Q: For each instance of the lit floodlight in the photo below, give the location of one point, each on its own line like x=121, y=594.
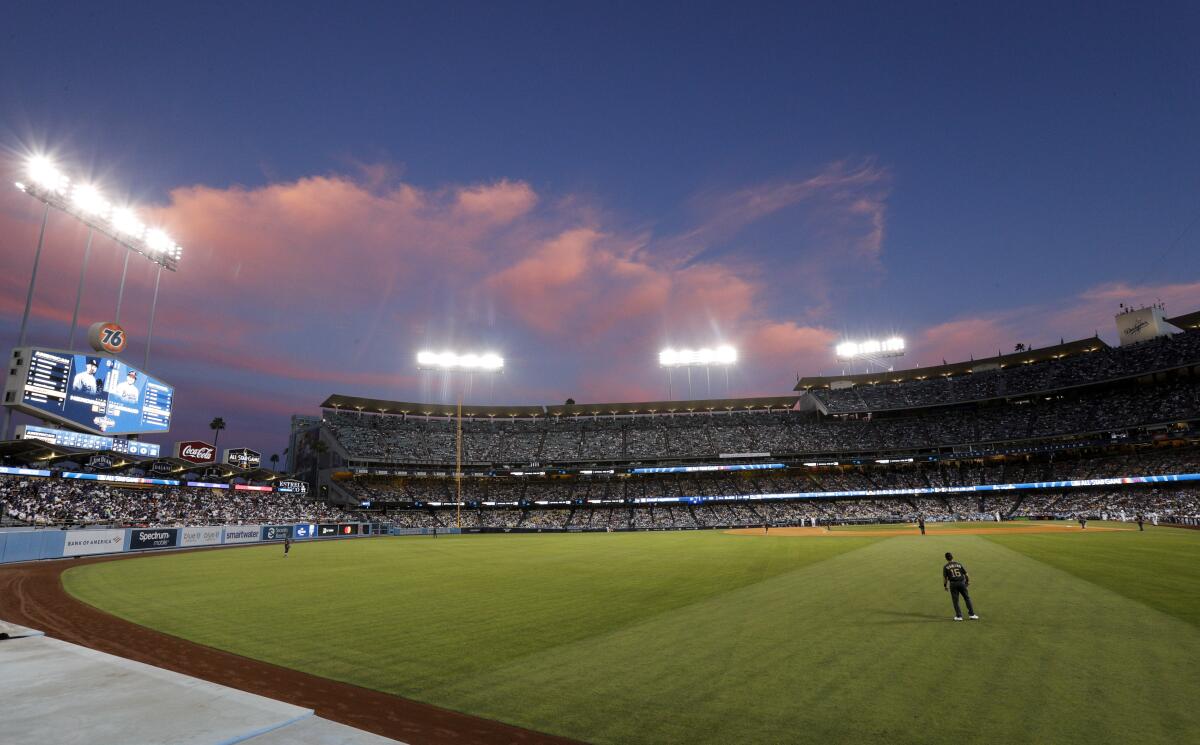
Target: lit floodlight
x=89, y=200
x=470, y=362
x=51, y=186
x=45, y=174
x=891, y=347
x=703, y=357
x=125, y=221
x=157, y=240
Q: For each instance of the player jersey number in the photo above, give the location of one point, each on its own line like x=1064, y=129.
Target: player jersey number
x=955, y=572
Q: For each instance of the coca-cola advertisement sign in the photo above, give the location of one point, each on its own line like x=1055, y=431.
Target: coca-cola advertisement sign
x=196, y=451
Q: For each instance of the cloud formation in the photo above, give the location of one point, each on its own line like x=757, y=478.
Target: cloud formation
x=292, y=291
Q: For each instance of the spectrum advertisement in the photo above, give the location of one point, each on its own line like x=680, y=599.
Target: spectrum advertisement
x=99, y=394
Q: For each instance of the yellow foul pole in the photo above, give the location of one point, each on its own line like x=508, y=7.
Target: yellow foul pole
x=458, y=466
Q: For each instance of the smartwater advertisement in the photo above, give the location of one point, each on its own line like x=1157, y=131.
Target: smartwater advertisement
x=143, y=538
x=243, y=533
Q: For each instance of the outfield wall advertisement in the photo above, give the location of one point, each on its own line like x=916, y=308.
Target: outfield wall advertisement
x=206, y=536
x=243, y=534
x=144, y=538
x=33, y=544
x=88, y=542
x=276, y=532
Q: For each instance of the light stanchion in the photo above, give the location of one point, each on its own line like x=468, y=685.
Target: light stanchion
x=451, y=362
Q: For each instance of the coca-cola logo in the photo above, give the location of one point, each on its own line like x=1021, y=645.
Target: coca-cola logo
x=197, y=452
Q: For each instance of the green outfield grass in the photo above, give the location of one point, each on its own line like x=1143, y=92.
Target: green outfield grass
x=715, y=638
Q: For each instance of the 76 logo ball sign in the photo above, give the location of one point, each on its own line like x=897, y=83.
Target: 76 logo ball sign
x=106, y=336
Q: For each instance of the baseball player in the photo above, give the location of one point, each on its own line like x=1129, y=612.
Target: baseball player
x=287, y=546
x=955, y=579
x=127, y=390
x=86, y=379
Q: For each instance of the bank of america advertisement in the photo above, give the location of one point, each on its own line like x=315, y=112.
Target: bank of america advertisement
x=87, y=542
x=100, y=394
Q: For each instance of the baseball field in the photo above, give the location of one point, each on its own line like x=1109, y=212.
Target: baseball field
x=712, y=637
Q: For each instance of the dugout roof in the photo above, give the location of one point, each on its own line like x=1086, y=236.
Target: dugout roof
x=1028, y=357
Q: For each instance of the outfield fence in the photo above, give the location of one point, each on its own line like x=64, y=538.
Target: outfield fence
x=34, y=544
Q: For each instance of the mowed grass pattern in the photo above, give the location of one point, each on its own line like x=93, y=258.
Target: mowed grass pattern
x=706, y=637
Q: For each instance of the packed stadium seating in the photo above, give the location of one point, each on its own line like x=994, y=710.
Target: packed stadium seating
x=41, y=501
x=588, y=503
x=1164, y=353
x=1072, y=401
x=388, y=438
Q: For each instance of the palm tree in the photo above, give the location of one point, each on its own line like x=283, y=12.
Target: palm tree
x=275, y=462
x=216, y=425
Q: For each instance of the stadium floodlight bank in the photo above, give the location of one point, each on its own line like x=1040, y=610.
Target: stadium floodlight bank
x=851, y=350
x=703, y=357
x=86, y=203
x=451, y=361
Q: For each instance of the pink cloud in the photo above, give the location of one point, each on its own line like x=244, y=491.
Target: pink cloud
x=1077, y=316
x=294, y=290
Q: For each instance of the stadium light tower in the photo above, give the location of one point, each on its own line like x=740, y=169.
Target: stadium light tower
x=706, y=357
x=48, y=184
x=873, y=351
x=470, y=364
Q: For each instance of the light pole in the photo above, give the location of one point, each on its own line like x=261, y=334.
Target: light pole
x=470, y=363
x=53, y=188
x=84, y=202
x=87, y=252
x=723, y=356
x=873, y=351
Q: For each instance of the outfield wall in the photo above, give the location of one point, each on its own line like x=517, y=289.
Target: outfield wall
x=33, y=544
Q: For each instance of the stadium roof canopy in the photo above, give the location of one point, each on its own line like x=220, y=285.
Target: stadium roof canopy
x=38, y=454
x=381, y=406
x=1186, y=321
x=1027, y=357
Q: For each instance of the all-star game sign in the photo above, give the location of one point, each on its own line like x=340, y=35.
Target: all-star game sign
x=106, y=336
x=243, y=458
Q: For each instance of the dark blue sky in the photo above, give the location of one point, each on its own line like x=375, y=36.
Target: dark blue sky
x=1013, y=168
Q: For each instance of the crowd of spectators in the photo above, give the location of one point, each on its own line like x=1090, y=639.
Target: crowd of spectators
x=398, y=439
x=1105, y=363
x=1111, y=504
x=613, y=502
x=42, y=501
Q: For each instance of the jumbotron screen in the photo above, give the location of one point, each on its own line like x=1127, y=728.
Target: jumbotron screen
x=96, y=393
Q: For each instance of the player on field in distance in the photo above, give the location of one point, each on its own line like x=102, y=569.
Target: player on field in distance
x=287, y=546
x=921, y=523
x=1141, y=521
x=956, y=580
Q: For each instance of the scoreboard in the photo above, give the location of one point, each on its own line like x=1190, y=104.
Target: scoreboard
x=92, y=392
x=83, y=441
